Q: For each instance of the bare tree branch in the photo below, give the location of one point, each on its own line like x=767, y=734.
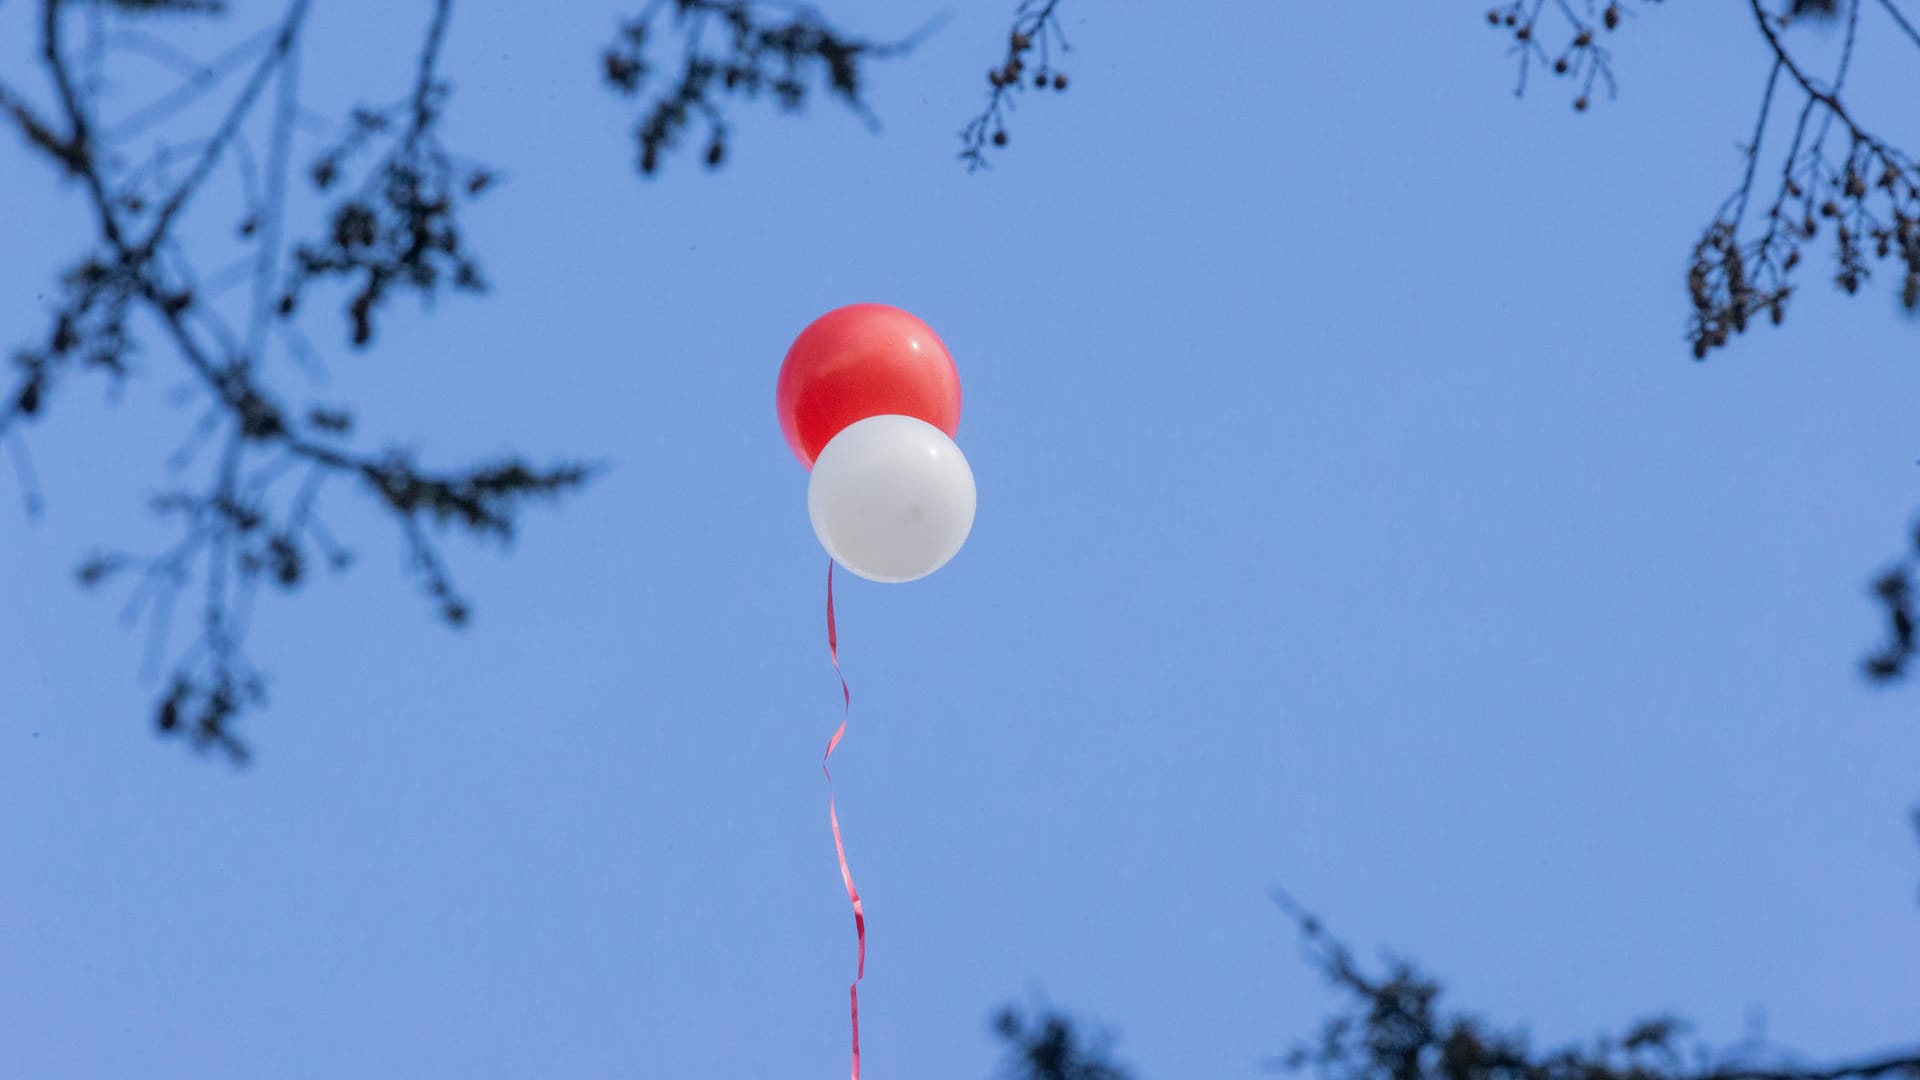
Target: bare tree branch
x=200, y=80
x=1582, y=58
x=229, y=128
x=35, y=129
x=243, y=527
x=1868, y=190
x=1900, y=20
x=1394, y=1029
x=1864, y=192
x=785, y=50
x=399, y=230
x=1036, y=28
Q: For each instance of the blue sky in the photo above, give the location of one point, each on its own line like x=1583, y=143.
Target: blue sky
x=1351, y=520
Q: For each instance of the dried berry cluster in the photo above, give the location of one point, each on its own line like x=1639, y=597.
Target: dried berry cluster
x=1834, y=180
x=1015, y=69
x=1870, y=207
x=1036, y=29
x=765, y=48
x=1730, y=287
x=1581, y=58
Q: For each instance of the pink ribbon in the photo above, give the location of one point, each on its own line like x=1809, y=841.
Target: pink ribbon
x=833, y=815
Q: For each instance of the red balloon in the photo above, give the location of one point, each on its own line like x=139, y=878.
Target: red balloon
x=858, y=361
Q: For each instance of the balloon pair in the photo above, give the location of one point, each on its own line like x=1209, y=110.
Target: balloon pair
x=870, y=401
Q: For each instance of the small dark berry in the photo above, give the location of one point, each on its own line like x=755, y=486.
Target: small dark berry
x=1000, y=138
x=1059, y=82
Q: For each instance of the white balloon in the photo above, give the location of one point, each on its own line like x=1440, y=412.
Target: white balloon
x=891, y=498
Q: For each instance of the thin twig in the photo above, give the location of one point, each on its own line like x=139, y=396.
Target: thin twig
x=270, y=214
x=30, y=491
x=230, y=127
x=201, y=78
x=1753, y=147
x=1900, y=20
x=80, y=141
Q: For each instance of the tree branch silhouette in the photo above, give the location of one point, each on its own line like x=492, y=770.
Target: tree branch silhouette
x=1393, y=1027
x=1834, y=175
x=393, y=228
x=1051, y=1048
x=783, y=50
x=1581, y=59
x=1833, y=169
x=245, y=523
x=1036, y=28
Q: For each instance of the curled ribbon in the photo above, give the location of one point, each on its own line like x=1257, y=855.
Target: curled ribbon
x=833, y=815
